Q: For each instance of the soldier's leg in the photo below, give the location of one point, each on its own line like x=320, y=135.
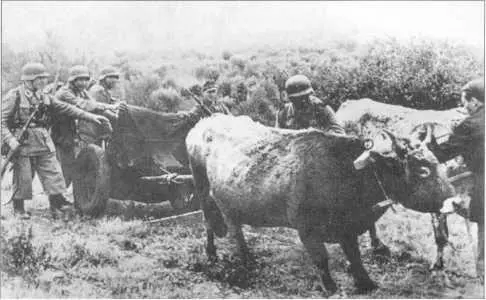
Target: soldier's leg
x=22, y=184
x=51, y=177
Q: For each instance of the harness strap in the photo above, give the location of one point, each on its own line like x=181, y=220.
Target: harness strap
x=388, y=202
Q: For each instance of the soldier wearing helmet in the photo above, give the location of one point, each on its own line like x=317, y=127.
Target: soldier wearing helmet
x=304, y=109
x=36, y=154
x=210, y=98
x=107, y=81
x=66, y=131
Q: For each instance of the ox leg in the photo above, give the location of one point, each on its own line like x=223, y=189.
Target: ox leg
x=378, y=247
x=212, y=214
x=480, y=259
x=236, y=234
x=210, y=247
x=441, y=234
x=361, y=278
x=314, y=244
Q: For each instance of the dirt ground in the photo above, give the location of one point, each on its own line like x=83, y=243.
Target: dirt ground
x=122, y=256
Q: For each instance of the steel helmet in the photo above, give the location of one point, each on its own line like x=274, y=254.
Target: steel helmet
x=78, y=72
x=298, y=85
x=32, y=71
x=109, y=72
x=475, y=88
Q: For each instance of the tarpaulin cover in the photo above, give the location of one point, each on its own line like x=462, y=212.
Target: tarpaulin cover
x=147, y=140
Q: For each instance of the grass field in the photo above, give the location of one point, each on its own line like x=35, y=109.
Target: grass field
x=121, y=256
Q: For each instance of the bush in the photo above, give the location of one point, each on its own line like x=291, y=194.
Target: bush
x=206, y=73
x=139, y=90
x=238, y=62
x=226, y=55
x=165, y=100
x=418, y=74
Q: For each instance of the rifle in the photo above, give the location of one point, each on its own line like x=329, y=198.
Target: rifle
x=20, y=137
x=21, y=134
x=204, y=107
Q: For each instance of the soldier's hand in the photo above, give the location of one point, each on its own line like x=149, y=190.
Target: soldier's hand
x=110, y=114
x=13, y=143
x=102, y=120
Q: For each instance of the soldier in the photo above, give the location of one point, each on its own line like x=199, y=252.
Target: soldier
x=107, y=81
x=65, y=130
x=305, y=110
x=210, y=98
x=467, y=139
x=37, y=152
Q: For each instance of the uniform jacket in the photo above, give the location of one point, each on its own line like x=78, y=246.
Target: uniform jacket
x=467, y=140
x=99, y=93
x=18, y=105
x=317, y=115
x=64, y=130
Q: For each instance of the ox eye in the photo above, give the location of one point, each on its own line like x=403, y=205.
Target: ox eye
x=368, y=144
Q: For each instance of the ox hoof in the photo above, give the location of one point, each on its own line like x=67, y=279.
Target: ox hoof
x=437, y=266
x=365, y=287
x=382, y=250
x=329, y=289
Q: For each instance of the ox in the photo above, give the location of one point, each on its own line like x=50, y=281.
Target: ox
x=246, y=173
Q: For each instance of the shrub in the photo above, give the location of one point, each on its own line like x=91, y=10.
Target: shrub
x=225, y=88
x=226, y=55
x=139, y=90
x=165, y=100
x=204, y=73
x=238, y=62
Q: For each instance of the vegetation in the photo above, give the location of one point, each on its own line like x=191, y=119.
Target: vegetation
x=417, y=73
x=112, y=257
x=116, y=258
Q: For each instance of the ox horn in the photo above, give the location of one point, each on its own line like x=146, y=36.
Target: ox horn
x=363, y=160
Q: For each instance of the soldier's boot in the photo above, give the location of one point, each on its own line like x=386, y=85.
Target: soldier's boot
x=19, y=210
x=58, y=204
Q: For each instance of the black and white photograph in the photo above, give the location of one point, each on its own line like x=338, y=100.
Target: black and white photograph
x=242, y=149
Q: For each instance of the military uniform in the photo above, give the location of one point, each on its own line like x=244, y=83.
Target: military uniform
x=467, y=140
x=37, y=153
x=210, y=99
x=101, y=90
x=312, y=111
x=101, y=94
x=316, y=114
x=65, y=130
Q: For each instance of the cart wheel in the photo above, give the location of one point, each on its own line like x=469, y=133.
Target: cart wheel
x=91, y=185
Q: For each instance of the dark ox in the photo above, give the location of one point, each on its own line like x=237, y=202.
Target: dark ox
x=246, y=173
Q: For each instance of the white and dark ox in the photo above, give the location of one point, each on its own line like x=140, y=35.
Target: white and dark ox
x=246, y=173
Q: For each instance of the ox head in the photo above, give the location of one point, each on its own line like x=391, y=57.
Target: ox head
x=410, y=175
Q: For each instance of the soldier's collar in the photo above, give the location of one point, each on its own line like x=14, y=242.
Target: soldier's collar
x=77, y=91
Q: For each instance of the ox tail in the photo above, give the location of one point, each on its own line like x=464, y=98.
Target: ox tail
x=212, y=213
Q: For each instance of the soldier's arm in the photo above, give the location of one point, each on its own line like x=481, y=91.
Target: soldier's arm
x=8, y=110
x=458, y=142
x=84, y=104
x=327, y=119
x=64, y=108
